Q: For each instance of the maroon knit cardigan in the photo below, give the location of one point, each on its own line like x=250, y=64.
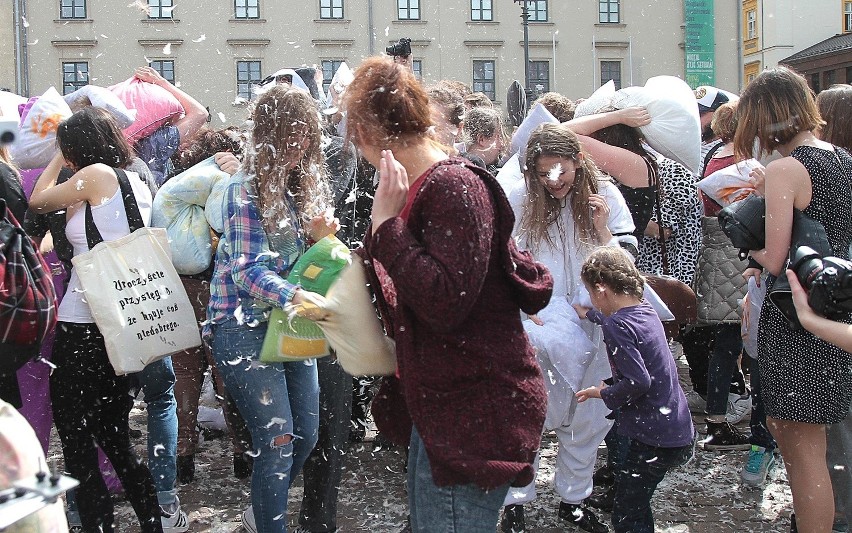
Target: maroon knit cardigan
x=455, y=285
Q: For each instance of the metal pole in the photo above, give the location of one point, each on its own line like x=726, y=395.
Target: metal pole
x=370, y=26
x=553, y=85
x=525, y=14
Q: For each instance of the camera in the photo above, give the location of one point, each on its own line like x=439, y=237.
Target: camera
x=8, y=130
x=401, y=49
x=828, y=281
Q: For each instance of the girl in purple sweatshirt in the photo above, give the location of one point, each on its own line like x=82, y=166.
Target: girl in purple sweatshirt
x=650, y=406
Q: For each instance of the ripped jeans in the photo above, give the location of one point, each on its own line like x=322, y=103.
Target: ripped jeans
x=279, y=402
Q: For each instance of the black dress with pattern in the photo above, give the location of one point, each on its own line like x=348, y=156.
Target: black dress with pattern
x=804, y=378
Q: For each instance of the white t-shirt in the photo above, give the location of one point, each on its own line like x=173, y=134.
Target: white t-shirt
x=111, y=220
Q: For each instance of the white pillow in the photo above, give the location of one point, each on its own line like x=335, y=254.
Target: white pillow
x=36, y=144
x=9, y=103
x=105, y=99
x=675, y=128
x=352, y=327
x=599, y=99
x=729, y=184
x=537, y=116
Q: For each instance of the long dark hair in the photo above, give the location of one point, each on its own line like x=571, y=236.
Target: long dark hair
x=92, y=136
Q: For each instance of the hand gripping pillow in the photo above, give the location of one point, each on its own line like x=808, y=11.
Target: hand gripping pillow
x=179, y=208
x=154, y=106
x=730, y=184
x=293, y=337
x=103, y=98
x=36, y=142
x=675, y=129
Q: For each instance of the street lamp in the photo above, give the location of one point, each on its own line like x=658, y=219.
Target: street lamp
x=525, y=17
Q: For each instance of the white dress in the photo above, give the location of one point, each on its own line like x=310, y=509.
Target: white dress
x=571, y=352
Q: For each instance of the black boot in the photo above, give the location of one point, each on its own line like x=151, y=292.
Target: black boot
x=185, y=468
x=582, y=517
x=513, y=519
x=603, y=500
x=603, y=476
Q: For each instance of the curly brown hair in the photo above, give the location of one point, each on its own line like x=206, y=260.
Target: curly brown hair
x=286, y=154
x=724, y=123
x=542, y=209
x=611, y=267
x=561, y=107
x=385, y=104
x=207, y=142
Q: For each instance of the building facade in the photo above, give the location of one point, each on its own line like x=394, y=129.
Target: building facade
x=217, y=49
x=773, y=30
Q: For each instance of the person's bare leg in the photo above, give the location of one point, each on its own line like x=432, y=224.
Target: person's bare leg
x=803, y=448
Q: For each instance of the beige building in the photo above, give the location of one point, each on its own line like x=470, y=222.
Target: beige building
x=216, y=49
x=8, y=58
x=776, y=29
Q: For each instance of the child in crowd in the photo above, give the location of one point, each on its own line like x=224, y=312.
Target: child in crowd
x=650, y=406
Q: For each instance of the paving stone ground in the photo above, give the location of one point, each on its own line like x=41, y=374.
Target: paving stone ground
x=702, y=497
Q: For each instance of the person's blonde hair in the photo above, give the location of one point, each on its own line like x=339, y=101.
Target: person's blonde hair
x=774, y=108
x=484, y=122
x=560, y=106
x=611, y=267
x=541, y=208
x=724, y=122
x=835, y=107
x=286, y=155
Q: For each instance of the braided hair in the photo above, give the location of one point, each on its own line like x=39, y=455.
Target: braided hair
x=612, y=268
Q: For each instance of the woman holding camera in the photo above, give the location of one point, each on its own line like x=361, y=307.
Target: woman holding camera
x=807, y=382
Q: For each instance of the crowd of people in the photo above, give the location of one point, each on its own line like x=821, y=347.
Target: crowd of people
x=509, y=270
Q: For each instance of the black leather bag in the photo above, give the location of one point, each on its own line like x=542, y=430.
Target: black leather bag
x=744, y=223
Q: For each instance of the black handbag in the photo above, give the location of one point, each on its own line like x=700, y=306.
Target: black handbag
x=744, y=223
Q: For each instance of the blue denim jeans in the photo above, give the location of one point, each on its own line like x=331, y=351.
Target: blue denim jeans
x=453, y=509
x=727, y=346
x=158, y=385
x=277, y=401
x=760, y=434
x=643, y=469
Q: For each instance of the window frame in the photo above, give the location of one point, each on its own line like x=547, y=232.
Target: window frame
x=76, y=83
x=535, y=8
x=73, y=8
x=334, y=64
x=417, y=68
x=479, y=84
x=751, y=24
x=330, y=8
x=481, y=10
x=533, y=79
x=605, y=17
x=246, y=7
x=249, y=82
x=847, y=18
x=409, y=7
x=161, y=5
x=608, y=76
x=162, y=70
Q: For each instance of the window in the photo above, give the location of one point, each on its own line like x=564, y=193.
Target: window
x=248, y=75
x=329, y=67
x=160, y=9
x=166, y=68
x=481, y=10
x=828, y=78
x=74, y=76
x=247, y=9
x=408, y=9
x=483, y=78
x=539, y=77
x=331, y=9
x=72, y=9
x=608, y=11
x=537, y=10
x=815, y=82
x=847, y=18
x=417, y=67
x=849, y=75
x=611, y=70
x=751, y=24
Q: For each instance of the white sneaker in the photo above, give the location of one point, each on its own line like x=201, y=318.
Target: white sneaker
x=696, y=403
x=738, y=407
x=248, y=520
x=173, y=519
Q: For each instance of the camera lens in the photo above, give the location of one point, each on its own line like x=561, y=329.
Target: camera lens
x=7, y=137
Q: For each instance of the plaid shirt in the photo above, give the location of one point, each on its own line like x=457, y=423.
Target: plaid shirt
x=249, y=277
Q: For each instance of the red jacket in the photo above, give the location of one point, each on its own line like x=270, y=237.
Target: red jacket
x=455, y=284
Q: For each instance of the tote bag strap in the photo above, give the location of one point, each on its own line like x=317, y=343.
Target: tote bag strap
x=131, y=208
